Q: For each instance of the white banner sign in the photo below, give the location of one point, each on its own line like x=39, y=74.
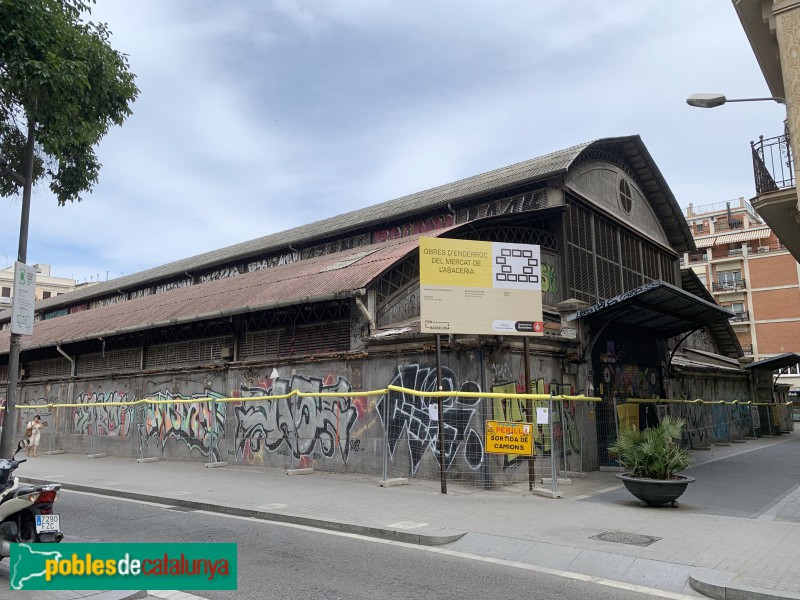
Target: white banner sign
x=22, y=304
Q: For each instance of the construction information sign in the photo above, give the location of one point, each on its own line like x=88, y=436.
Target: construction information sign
x=509, y=438
x=22, y=304
x=482, y=288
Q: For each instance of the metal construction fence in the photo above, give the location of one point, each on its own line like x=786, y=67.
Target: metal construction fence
x=391, y=433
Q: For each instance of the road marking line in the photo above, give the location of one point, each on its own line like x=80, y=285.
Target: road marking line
x=498, y=561
x=107, y=497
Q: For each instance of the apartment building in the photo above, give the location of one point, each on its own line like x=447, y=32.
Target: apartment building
x=750, y=272
x=47, y=286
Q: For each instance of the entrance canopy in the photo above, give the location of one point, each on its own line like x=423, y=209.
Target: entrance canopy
x=774, y=363
x=657, y=307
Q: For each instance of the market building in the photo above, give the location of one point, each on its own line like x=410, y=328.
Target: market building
x=334, y=306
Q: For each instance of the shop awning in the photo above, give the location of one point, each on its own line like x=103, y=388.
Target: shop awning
x=705, y=242
x=776, y=362
x=657, y=307
x=743, y=236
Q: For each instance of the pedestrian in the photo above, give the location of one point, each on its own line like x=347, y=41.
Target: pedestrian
x=35, y=426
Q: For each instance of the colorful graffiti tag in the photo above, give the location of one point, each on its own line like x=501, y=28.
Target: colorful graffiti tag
x=95, y=417
x=305, y=424
x=411, y=415
x=199, y=425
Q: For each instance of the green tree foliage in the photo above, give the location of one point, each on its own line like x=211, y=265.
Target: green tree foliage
x=59, y=71
x=654, y=453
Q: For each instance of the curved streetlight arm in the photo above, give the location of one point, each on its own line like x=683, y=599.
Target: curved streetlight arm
x=714, y=100
x=777, y=99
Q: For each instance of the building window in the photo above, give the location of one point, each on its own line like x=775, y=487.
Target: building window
x=737, y=307
x=6, y=292
x=625, y=196
x=793, y=370
x=46, y=295
x=729, y=277
x=702, y=277
x=700, y=228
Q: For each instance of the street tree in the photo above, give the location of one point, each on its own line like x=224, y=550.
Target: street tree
x=62, y=86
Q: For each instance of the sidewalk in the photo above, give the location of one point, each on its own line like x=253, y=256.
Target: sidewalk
x=721, y=554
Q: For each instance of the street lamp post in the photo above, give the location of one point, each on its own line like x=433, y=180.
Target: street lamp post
x=714, y=100
x=6, y=439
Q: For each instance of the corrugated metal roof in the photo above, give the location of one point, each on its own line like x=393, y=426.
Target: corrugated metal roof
x=315, y=279
x=658, y=307
x=529, y=170
x=781, y=361
x=542, y=167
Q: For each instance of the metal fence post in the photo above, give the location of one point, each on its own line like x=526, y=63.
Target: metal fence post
x=51, y=433
x=213, y=430
x=553, y=471
x=386, y=436
x=93, y=429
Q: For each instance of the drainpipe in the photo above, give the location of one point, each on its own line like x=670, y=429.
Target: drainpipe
x=364, y=312
x=450, y=208
x=69, y=358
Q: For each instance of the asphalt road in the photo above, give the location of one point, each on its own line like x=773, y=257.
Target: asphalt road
x=290, y=562
x=745, y=485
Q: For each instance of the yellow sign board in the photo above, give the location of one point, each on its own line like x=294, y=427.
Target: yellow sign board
x=628, y=415
x=509, y=438
x=489, y=288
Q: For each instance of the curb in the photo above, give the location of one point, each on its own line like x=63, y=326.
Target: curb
x=717, y=584
x=441, y=537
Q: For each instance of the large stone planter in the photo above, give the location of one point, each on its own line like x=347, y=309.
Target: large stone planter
x=656, y=492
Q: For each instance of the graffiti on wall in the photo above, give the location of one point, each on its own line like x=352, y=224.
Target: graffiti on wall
x=306, y=425
x=412, y=415
x=549, y=279
x=413, y=227
x=28, y=411
x=199, y=425
x=96, y=417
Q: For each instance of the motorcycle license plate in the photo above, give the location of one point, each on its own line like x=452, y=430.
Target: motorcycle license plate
x=46, y=523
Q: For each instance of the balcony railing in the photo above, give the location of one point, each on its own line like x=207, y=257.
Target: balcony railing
x=729, y=225
x=772, y=164
x=728, y=286
x=698, y=257
x=741, y=316
x=747, y=349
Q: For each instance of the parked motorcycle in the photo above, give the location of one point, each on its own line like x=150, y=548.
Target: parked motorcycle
x=26, y=511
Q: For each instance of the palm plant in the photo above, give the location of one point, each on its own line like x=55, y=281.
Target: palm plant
x=654, y=453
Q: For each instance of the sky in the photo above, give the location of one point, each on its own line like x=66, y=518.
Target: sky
x=258, y=116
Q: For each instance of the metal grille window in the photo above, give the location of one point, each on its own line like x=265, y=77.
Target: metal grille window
x=580, y=251
x=605, y=260
x=184, y=353
x=650, y=268
x=54, y=367
x=107, y=362
x=307, y=339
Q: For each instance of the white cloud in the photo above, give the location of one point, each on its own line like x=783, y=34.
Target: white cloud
x=256, y=117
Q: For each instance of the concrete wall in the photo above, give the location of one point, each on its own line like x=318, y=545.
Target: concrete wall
x=348, y=434
x=708, y=424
